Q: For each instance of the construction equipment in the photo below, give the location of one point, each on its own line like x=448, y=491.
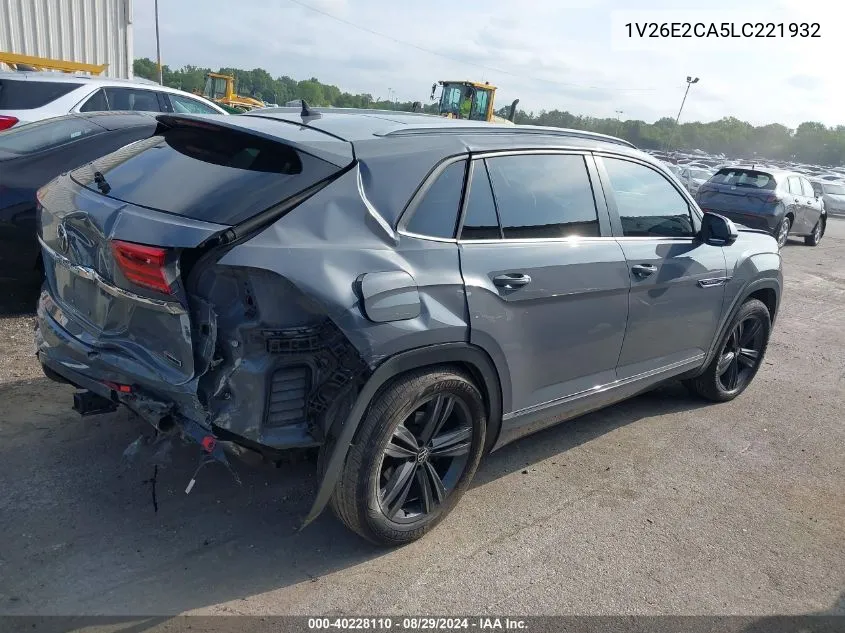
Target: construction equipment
x=221, y=89
x=19, y=62
x=470, y=100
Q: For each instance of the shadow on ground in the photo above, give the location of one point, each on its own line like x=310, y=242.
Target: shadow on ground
x=70, y=494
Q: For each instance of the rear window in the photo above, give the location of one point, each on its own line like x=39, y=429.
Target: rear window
x=217, y=175
x=744, y=178
x=47, y=134
x=26, y=95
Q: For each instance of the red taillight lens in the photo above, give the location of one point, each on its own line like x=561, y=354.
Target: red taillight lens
x=142, y=265
x=772, y=197
x=7, y=121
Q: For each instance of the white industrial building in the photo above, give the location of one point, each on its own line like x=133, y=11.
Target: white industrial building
x=88, y=31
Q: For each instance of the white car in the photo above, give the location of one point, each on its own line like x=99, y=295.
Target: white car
x=33, y=96
x=694, y=177
x=832, y=194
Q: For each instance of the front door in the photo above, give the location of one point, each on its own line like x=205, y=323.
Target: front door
x=546, y=284
x=677, y=282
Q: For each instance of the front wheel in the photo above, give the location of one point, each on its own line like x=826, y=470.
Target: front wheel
x=818, y=231
x=783, y=231
x=740, y=354
x=413, y=457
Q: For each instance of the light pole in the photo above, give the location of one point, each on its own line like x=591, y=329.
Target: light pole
x=690, y=81
x=619, y=114
x=158, y=48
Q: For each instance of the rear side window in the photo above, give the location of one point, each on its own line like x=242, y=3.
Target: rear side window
x=206, y=173
x=96, y=103
x=647, y=203
x=41, y=135
x=543, y=196
x=480, y=221
x=793, y=184
x=744, y=178
x=132, y=99
x=834, y=190
x=26, y=95
x=437, y=213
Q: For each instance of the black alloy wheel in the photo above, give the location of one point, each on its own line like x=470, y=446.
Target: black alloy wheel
x=425, y=458
x=741, y=354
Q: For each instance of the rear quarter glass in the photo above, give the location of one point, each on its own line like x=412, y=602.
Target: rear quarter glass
x=221, y=176
x=17, y=94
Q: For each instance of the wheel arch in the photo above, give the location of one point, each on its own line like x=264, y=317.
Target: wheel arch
x=765, y=289
x=469, y=358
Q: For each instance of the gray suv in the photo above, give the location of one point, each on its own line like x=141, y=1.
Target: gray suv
x=405, y=293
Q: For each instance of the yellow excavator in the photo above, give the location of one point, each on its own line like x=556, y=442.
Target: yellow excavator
x=221, y=89
x=469, y=100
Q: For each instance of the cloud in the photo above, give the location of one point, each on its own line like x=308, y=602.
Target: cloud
x=551, y=54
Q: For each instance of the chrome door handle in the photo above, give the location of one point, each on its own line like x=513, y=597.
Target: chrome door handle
x=643, y=270
x=511, y=280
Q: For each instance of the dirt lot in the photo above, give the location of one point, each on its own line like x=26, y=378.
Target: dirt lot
x=657, y=505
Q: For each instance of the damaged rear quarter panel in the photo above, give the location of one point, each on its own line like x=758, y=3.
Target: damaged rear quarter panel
x=304, y=271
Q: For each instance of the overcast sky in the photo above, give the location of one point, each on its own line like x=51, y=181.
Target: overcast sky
x=566, y=54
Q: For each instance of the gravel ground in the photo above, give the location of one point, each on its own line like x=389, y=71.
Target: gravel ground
x=659, y=505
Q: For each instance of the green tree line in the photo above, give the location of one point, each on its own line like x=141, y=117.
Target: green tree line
x=810, y=142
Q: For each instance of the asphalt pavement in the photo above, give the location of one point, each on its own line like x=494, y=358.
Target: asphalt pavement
x=659, y=505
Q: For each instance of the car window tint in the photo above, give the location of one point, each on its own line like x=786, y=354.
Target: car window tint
x=543, y=196
x=25, y=95
x=96, y=103
x=437, y=213
x=46, y=134
x=480, y=221
x=184, y=105
x=647, y=203
x=807, y=188
x=743, y=178
x=132, y=99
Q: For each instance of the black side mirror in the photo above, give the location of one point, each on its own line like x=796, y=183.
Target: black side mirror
x=718, y=230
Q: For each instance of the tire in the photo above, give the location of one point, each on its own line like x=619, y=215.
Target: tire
x=387, y=491
x=782, y=234
x=734, y=354
x=818, y=232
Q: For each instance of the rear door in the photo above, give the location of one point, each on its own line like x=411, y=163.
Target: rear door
x=547, y=287
x=813, y=206
x=677, y=282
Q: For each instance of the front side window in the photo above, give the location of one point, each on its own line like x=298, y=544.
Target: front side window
x=186, y=105
x=437, y=213
x=541, y=196
x=647, y=203
x=807, y=188
x=132, y=99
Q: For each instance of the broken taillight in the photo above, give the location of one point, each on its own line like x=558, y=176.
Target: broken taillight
x=142, y=265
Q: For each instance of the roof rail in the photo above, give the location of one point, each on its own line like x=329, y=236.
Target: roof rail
x=508, y=129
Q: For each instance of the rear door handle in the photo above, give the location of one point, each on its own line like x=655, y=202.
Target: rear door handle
x=643, y=270
x=512, y=280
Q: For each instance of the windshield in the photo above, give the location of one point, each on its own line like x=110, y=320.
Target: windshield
x=450, y=100
x=743, y=178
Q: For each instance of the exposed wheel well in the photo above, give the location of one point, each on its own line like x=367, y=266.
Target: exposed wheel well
x=769, y=299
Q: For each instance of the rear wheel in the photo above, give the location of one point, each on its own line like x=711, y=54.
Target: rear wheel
x=783, y=231
x=818, y=232
x=741, y=352
x=413, y=457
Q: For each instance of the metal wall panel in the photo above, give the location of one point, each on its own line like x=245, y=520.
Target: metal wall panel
x=90, y=31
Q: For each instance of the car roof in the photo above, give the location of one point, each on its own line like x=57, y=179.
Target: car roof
x=352, y=124
x=53, y=76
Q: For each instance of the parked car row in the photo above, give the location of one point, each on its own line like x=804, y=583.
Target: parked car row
x=402, y=292
x=33, y=96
